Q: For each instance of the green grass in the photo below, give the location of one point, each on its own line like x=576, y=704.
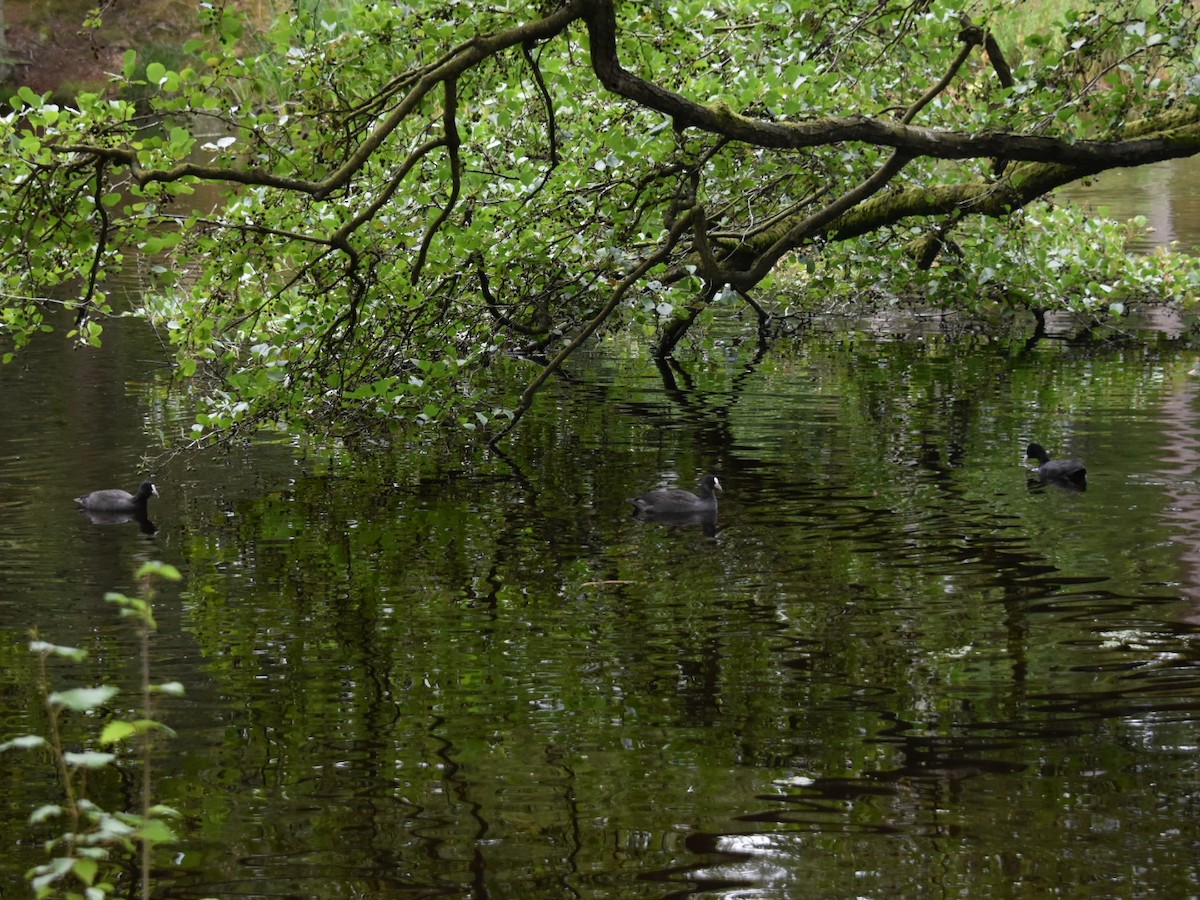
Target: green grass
x=1012, y=21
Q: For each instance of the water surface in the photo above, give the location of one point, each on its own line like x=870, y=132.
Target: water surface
x=901, y=666
x=1166, y=193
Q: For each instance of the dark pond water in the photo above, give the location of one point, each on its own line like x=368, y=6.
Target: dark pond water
x=900, y=667
x=1167, y=194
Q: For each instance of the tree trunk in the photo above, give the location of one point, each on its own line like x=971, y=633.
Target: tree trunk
x=6, y=67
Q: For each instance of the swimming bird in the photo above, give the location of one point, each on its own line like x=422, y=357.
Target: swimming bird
x=677, y=501
x=1056, y=469
x=117, y=500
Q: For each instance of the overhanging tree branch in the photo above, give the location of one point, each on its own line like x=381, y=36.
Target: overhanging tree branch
x=452, y=142
x=618, y=294
x=102, y=225
x=719, y=118
x=340, y=203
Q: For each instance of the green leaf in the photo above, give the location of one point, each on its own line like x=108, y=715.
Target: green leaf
x=42, y=813
x=159, y=569
x=157, y=831
x=88, y=759
x=24, y=742
x=50, y=872
x=29, y=97
x=116, y=731
x=85, y=870
x=137, y=604
x=83, y=699
x=119, y=730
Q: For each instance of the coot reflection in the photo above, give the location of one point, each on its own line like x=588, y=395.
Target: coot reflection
x=104, y=517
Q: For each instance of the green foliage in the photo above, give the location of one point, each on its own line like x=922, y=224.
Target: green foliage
x=1046, y=257
x=86, y=858
x=352, y=215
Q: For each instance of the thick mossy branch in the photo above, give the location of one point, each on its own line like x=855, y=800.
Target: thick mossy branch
x=1137, y=148
x=931, y=142
x=939, y=200
x=1021, y=185
x=787, y=236
x=1042, y=163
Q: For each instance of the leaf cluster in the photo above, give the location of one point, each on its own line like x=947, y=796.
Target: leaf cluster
x=87, y=857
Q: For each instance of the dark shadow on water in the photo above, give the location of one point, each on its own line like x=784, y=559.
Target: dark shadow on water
x=1038, y=485
x=706, y=519
x=145, y=525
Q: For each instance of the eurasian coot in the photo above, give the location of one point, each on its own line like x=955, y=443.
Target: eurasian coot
x=1056, y=469
x=117, y=500
x=678, y=501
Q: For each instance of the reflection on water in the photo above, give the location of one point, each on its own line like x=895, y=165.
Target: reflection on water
x=896, y=670
x=139, y=517
x=1178, y=475
x=705, y=519
x=1167, y=194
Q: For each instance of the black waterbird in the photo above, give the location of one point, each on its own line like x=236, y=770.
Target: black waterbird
x=1064, y=471
x=677, y=501
x=115, y=500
